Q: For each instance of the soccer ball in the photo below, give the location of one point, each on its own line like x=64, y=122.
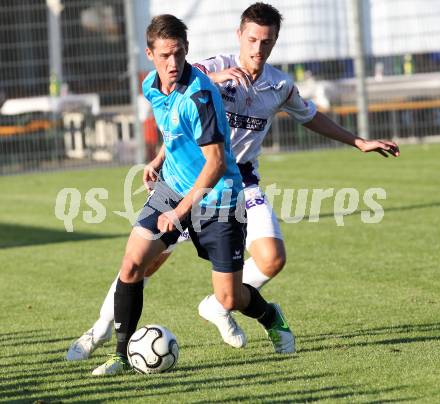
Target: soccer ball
x=152, y=349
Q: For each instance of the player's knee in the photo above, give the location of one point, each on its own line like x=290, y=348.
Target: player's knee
x=278, y=263
x=131, y=270
x=272, y=264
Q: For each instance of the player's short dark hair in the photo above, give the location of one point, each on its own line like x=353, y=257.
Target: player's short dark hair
x=262, y=14
x=166, y=26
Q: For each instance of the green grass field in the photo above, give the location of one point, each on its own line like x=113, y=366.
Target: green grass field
x=363, y=299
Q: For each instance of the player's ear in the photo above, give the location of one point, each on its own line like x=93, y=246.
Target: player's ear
x=186, y=47
x=238, y=32
x=149, y=53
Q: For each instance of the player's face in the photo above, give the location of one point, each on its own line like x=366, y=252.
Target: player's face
x=168, y=56
x=256, y=44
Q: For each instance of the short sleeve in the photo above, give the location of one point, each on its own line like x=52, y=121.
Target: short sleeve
x=203, y=117
x=298, y=108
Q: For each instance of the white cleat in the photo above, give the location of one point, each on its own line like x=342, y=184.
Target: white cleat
x=230, y=331
x=85, y=345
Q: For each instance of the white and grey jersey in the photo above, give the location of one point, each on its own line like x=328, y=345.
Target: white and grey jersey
x=251, y=110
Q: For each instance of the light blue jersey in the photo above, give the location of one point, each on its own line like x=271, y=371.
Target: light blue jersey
x=189, y=118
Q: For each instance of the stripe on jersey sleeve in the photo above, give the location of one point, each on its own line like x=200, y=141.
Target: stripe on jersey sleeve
x=290, y=94
x=208, y=119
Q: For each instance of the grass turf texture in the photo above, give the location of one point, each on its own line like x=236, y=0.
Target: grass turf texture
x=363, y=299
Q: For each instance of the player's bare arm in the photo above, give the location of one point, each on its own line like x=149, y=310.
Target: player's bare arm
x=212, y=171
x=152, y=168
x=325, y=126
x=236, y=74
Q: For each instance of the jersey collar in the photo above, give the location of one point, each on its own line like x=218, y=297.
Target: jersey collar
x=183, y=82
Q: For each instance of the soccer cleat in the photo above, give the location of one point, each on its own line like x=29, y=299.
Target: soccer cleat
x=84, y=346
x=230, y=331
x=279, y=333
x=116, y=365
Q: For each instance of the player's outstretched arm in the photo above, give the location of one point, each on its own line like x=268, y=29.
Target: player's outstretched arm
x=323, y=125
x=152, y=168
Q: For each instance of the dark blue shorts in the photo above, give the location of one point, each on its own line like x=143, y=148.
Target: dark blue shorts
x=219, y=238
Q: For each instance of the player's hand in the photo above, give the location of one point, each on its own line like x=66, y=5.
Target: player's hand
x=383, y=147
x=239, y=76
x=150, y=176
x=168, y=221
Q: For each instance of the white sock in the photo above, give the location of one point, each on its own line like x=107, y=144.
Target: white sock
x=106, y=314
x=253, y=276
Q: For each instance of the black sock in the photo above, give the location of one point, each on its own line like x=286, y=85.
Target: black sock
x=128, y=310
x=258, y=308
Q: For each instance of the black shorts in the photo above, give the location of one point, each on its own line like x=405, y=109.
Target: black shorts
x=219, y=238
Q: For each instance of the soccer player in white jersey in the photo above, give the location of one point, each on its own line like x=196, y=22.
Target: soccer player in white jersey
x=253, y=92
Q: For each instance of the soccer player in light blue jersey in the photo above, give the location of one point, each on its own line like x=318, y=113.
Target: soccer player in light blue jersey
x=198, y=188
